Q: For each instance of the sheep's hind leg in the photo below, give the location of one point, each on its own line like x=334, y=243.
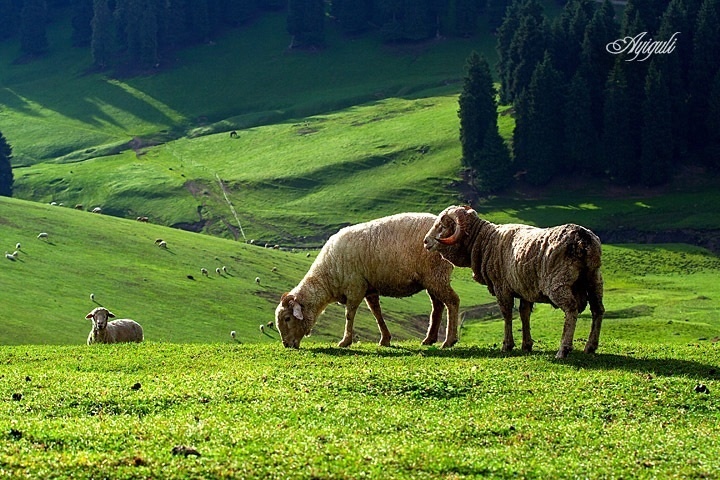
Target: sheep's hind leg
x=525, y=311
x=350, y=309
x=506, y=308
x=565, y=300
x=373, y=303
x=595, y=295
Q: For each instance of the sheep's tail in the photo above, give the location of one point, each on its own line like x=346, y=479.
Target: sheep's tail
x=585, y=246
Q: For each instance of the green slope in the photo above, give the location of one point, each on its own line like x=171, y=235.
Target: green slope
x=45, y=294
x=286, y=181
x=53, y=107
x=653, y=294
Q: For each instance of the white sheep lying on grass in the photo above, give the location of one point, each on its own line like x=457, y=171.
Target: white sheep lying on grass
x=115, y=331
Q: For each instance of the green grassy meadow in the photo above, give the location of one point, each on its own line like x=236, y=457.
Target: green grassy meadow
x=377, y=134
x=261, y=411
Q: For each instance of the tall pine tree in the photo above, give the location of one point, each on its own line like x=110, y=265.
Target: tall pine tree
x=595, y=61
x=353, y=15
x=102, y=44
x=527, y=48
x=672, y=69
x=538, y=136
x=581, y=139
x=657, y=132
x=477, y=107
x=33, y=27
x=8, y=19
x=484, y=150
x=306, y=23
x=712, y=123
x=6, y=174
x=704, y=67
x=620, y=158
x=82, y=14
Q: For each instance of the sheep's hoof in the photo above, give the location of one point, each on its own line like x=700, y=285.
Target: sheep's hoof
x=345, y=342
x=429, y=341
x=448, y=343
x=563, y=352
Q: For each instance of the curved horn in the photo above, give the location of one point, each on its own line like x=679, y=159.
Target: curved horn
x=454, y=237
x=460, y=214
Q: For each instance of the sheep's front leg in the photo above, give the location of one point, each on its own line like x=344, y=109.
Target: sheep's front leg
x=452, y=301
x=435, y=319
x=350, y=309
x=373, y=303
x=525, y=311
x=506, y=308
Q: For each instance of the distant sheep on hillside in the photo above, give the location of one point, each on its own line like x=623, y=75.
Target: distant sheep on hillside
x=115, y=331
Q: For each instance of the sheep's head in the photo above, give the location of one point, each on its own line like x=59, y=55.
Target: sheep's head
x=290, y=321
x=448, y=232
x=99, y=317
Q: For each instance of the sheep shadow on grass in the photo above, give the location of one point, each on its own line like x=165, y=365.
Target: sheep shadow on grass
x=659, y=367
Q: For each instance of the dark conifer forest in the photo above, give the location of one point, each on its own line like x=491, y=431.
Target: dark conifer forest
x=624, y=91
x=590, y=99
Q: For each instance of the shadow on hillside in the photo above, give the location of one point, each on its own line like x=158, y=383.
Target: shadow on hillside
x=663, y=367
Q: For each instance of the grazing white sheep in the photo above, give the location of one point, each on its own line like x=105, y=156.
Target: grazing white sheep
x=162, y=244
x=115, y=331
x=224, y=269
x=97, y=210
x=204, y=271
x=233, y=333
x=384, y=257
x=262, y=328
x=43, y=236
x=17, y=246
x=257, y=280
x=10, y=256
x=92, y=297
x=558, y=265
x=218, y=271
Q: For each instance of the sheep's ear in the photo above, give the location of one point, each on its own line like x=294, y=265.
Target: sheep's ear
x=111, y=315
x=297, y=310
x=286, y=299
x=89, y=315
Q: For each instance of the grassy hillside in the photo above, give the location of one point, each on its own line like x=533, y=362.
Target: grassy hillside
x=663, y=294
x=46, y=293
x=296, y=182
x=260, y=411
x=286, y=181
x=53, y=107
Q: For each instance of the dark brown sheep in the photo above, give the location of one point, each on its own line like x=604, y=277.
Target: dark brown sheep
x=558, y=265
